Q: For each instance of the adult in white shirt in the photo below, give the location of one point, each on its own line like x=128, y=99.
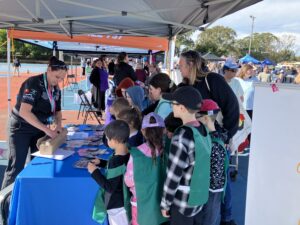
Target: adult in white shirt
x=247, y=78
x=229, y=71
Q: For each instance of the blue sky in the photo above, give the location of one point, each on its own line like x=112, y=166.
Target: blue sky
x=275, y=16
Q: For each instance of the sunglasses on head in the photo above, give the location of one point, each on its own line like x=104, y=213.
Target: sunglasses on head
x=63, y=67
x=175, y=103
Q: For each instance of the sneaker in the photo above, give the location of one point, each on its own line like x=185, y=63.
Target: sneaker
x=231, y=222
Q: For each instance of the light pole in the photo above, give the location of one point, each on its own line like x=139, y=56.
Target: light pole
x=252, y=27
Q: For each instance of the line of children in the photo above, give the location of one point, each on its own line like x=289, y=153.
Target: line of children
x=188, y=188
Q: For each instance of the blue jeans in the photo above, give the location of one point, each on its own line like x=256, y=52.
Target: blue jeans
x=210, y=212
x=226, y=206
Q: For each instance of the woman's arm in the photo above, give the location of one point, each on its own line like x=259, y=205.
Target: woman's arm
x=26, y=114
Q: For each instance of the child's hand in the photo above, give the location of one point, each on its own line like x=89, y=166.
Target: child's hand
x=91, y=167
x=165, y=213
x=96, y=161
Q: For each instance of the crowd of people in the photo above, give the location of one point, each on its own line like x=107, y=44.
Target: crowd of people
x=171, y=155
x=161, y=134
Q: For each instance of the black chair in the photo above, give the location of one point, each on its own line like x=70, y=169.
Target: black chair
x=83, y=104
x=87, y=109
x=5, y=195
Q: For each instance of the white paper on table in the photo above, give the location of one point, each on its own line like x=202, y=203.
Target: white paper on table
x=77, y=135
x=59, y=154
x=76, y=143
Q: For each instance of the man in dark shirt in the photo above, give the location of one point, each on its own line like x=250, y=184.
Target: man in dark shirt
x=123, y=69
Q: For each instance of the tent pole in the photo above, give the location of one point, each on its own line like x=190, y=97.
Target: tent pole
x=71, y=64
x=8, y=74
x=165, y=59
x=150, y=57
x=172, y=39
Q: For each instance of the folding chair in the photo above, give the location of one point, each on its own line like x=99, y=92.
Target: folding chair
x=83, y=105
x=72, y=82
x=5, y=195
x=88, y=108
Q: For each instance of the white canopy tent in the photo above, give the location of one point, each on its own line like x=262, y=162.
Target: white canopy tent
x=131, y=17
x=163, y=18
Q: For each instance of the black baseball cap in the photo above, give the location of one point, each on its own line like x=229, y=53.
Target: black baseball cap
x=188, y=96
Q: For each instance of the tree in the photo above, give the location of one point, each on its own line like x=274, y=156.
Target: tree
x=286, y=48
x=23, y=50
x=184, y=42
x=263, y=45
x=3, y=45
x=218, y=40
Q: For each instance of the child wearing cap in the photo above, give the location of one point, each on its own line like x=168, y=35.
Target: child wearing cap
x=111, y=199
x=218, y=163
x=186, y=188
x=144, y=175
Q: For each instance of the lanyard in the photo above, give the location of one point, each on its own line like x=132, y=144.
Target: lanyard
x=50, y=94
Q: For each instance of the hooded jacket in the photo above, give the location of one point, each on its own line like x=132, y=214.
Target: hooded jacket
x=136, y=94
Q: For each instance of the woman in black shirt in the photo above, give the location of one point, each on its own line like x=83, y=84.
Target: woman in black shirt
x=38, y=105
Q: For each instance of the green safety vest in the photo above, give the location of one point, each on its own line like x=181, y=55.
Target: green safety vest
x=200, y=180
x=99, y=211
x=149, y=180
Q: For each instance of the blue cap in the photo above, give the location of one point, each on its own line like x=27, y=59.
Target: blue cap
x=230, y=65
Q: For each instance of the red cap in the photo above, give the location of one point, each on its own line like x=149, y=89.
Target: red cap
x=209, y=107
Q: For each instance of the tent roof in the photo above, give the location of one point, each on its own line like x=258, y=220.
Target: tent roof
x=77, y=47
x=249, y=59
x=163, y=18
x=151, y=43
x=212, y=57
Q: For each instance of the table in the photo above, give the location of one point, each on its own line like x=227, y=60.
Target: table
x=53, y=194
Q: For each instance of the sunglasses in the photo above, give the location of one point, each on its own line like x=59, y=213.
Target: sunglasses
x=63, y=67
x=232, y=70
x=175, y=103
x=198, y=115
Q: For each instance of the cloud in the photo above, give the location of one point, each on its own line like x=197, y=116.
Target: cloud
x=270, y=16
x=274, y=16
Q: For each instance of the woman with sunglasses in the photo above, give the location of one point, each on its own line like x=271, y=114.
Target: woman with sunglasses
x=38, y=106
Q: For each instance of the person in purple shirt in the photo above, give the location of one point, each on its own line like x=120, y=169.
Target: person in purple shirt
x=99, y=78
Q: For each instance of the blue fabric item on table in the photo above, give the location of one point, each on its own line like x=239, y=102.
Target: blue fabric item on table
x=53, y=192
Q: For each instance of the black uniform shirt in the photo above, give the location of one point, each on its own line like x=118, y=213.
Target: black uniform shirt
x=33, y=91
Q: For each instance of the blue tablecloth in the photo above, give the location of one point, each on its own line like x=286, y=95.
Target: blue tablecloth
x=53, y=194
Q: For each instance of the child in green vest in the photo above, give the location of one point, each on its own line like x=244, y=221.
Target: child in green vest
x=144, y=173
x=211, y=210
x=110, y=198
x=186, y=187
